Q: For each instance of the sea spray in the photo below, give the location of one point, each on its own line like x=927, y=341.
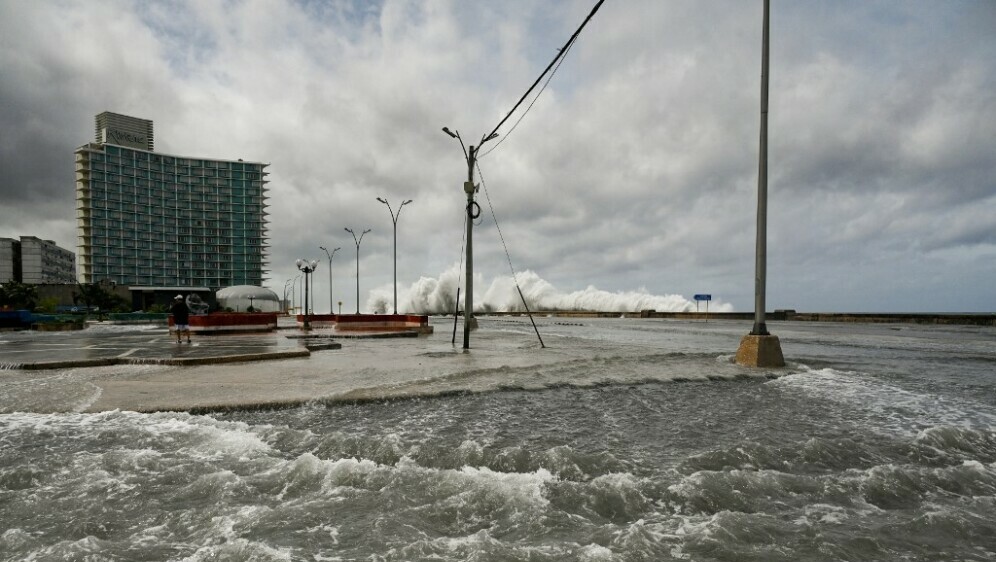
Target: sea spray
x=437, y=296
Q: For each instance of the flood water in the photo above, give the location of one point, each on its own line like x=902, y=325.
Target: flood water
x=630, y=440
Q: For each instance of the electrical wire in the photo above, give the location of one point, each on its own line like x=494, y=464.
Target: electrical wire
x=463, y=244
x=530, y=106
x=508, y=256
x=560, y=54
x=497, y=226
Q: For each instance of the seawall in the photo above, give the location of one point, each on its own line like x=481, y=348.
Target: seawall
x=969, y=319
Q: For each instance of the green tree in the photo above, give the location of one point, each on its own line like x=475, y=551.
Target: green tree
x=48, y=305
x=18, y=295
x=93, y=295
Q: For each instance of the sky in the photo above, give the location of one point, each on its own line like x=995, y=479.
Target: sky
x=630, y=183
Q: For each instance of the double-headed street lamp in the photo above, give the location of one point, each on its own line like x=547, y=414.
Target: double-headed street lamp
x=307, y=267
x=357, y=240
x=469, y=188
x=394, y=218
x=331, y=302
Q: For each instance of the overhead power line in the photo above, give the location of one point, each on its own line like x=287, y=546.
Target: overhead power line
x=530, y=106
x=560, y=54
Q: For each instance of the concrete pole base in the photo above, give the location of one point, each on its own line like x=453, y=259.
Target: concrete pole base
x=760, y=351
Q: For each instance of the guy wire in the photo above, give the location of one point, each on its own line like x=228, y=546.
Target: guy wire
x=508, y=256
x=456, y=305
x=531, y=104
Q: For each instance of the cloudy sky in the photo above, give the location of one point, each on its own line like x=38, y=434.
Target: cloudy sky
x=635, y=172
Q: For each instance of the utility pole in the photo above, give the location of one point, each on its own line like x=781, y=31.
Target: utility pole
x=469, y=188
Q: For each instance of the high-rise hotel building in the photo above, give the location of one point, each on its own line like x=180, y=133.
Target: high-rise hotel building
x=152, y=220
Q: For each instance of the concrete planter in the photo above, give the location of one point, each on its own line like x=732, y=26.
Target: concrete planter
x=369, y=322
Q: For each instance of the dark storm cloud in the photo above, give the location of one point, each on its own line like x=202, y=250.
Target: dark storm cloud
x=636, y=168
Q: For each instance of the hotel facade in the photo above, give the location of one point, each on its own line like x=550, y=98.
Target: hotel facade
x=157, y=221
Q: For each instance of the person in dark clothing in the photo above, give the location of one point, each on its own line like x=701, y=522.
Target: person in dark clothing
x=181, y=317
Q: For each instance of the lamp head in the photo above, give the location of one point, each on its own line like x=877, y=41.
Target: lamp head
x=449, y=132
x=491, y=136
x=381, y=199
x=314, y=264
x=322, y=248
x=406, y=202
x=298, y=263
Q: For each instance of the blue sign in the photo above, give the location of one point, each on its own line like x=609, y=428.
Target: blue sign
x=703, y=297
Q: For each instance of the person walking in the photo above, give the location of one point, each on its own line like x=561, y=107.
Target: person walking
x=181, y=317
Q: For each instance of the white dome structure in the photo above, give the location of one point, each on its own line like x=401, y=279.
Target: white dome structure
x=240, y=297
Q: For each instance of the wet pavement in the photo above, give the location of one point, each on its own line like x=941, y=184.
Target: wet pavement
x=101, y=346
x=141, y=369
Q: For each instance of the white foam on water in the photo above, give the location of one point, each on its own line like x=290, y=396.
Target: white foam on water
x=522, y=489
x=82, y=549
x=822, y=514
x=108, y=328
x=219, y=438
x=197, y=437
x=89, y=400
x=641, y=535
x=14, y=538
x=892, y=410
x=595, y=553
x=239, y=549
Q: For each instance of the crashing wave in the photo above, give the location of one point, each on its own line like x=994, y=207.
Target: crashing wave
x=438, y=295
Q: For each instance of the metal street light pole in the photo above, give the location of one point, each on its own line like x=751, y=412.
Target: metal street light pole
x=469, y=188
x=293, y=289
x=307, y=267
x=357, y=240
x=331, y=302
x=759, y=348
x=394, y=218
x=761, y=243
x=284, y=303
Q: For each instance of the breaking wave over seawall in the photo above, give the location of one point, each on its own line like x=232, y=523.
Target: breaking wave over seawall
x=437, y=295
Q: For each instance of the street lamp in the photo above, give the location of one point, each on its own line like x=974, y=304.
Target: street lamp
x=469, y=188
x=331, y=311
x=307, y=267
x=285, y=303
x=357, y=240
x=760, y=348
x=394, y=218
x=293, y=291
